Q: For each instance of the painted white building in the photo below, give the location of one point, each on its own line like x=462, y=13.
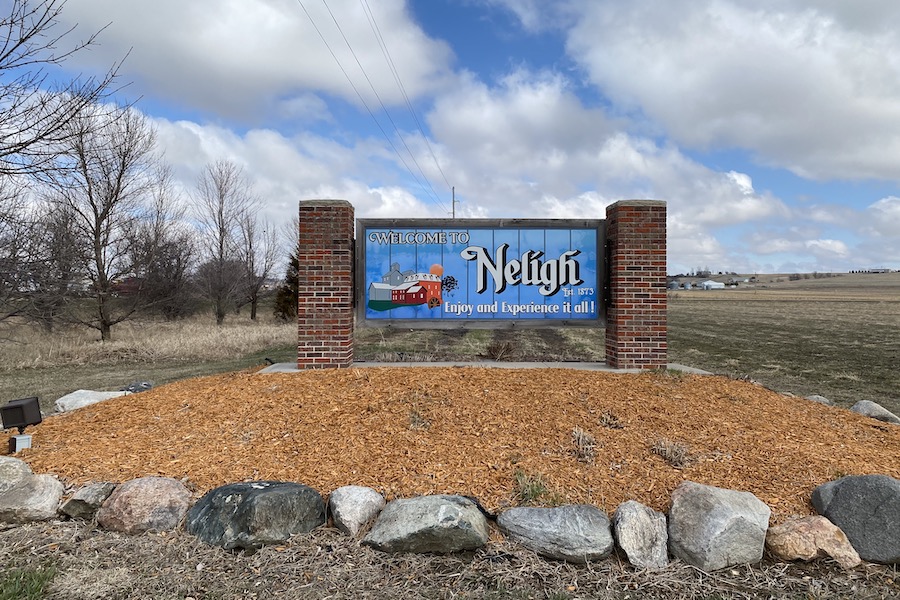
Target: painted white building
x=712, y=285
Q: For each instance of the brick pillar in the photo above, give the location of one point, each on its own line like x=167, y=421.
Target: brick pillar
x=636, y=314
x=325, y=298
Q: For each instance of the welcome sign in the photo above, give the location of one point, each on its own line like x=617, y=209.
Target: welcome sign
x=480, y=272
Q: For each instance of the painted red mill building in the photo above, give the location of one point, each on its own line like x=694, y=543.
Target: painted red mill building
x=420, y=288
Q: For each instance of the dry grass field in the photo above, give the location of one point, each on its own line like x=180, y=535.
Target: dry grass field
x=49, y=365
x=838, y=337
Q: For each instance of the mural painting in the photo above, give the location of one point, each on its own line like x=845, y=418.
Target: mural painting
x=474, y=270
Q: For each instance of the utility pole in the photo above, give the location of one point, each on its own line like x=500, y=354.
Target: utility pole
x=453, y=202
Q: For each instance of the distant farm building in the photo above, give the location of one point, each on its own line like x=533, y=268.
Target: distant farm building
x=712, y=285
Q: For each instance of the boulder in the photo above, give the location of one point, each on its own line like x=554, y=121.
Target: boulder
x=809, y=538
x=353, y=507
x=574, y=533
x=436, y=523
x=85, y=503
x=12, y=472
x=145, y=504
x=876, y=411
x=867, y=509
x=35, y=498
x=713, y=528
x=251, y=514
x=641, y=533
x=82, y=398
x=820, y=399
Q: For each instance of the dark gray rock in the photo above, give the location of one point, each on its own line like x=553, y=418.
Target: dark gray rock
x=437, y=523
x=574, y=533
x=136, y=387
x=641, y=533
x=354, y=506
x=145, y=504
x=713, y=528
x=251, y=514
x=876, y=411
x=35, y=498
x=12, y=472
x=85, y=503
x=867, y=509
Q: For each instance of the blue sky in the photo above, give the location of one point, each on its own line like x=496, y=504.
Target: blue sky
x=772, y=129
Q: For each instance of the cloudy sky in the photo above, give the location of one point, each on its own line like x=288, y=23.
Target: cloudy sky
x=770, y=127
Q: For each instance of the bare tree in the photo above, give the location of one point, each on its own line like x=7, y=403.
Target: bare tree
x=224, y=197
x=163, y=252
x=57, y=271
x=103, y=180
x=14, y=252
x=258, y=253
x=35, y=115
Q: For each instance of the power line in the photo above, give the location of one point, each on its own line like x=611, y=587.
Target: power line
x=366, y=105
x=387, y=54
x=383, y=107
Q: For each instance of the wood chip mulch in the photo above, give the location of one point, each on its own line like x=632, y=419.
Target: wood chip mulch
x=425, y=430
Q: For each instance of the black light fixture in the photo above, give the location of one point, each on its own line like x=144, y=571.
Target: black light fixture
x=20, y=414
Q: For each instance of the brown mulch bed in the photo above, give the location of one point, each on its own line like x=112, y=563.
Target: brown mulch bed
x=425, y=430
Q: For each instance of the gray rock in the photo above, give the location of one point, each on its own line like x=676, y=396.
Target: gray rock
x=641, y=533
x=251, y=514
x=429, y=524
x=575, y=533
x=867, y=509
x=820, y=400
x=354, y=506
x=12, y=472
x=35, y=498
x=808, y=538
x=713, y=528
x=876, y=411
x=82, y=398
x=85, y=503
x=145, y=504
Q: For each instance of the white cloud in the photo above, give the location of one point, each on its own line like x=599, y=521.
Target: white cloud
x=813, y=87
x=884, y=217
x=244, y=58
x=286, y=170
x=827, y=249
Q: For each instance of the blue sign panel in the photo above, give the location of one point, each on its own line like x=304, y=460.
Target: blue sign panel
x=473, y=270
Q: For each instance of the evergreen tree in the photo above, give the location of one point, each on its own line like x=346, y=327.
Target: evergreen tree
x=286, y=294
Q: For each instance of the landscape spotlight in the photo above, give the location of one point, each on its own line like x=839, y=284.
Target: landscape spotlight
x=20, y=414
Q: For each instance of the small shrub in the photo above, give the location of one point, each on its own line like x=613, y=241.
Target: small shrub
x=675, y=374
x=417, y=420
x=531, y=489
x=675, y=453
x=500, y=350
x=584, y=445
x=610, y=421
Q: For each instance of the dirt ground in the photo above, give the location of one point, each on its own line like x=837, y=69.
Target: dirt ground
x=91, y=564
x=545, y=436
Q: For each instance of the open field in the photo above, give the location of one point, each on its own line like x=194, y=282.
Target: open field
x=837, y=337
